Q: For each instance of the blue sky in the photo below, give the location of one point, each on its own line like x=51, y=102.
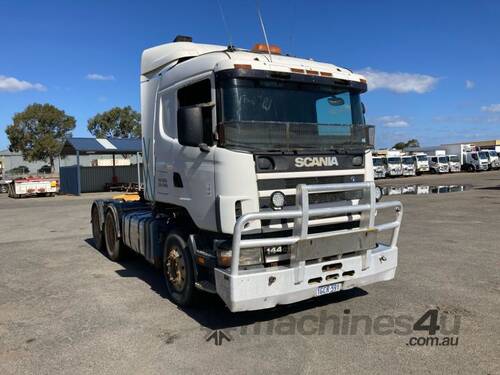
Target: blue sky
x=433, y=66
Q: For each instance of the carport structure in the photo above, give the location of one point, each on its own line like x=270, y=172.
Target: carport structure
x=77, y=179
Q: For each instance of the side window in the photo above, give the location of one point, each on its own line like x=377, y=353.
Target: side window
x=199, y=94
x=166, y=115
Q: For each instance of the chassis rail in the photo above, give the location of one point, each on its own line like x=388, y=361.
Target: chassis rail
x=303, y=212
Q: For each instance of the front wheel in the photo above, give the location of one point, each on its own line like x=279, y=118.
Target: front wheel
x=470, y=168
x=178, y=270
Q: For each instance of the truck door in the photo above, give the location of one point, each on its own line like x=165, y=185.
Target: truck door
x=185, y=174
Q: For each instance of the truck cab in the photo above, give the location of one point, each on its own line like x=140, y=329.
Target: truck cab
x=439, y=164
x=454, y=163
x=379, y=167
x=421, y=163
x=259, y=181
x=475, y=161
x=394, y=167
x=493, y=159
x=408, y=165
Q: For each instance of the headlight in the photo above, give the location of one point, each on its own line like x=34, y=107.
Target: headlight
x=277, y=200
x=248, y=257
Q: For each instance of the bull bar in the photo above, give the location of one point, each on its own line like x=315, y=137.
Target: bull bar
x=302, y=212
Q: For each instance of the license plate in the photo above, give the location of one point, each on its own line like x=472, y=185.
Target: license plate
x=327, y=289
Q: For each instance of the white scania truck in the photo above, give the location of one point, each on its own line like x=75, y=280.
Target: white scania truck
x=258, y=179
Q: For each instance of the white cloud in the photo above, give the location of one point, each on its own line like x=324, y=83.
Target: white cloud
x=469, y=84
x=11, y=84
x=399, y=82
x=99, y=77
x=491, y=108
x=392, y=122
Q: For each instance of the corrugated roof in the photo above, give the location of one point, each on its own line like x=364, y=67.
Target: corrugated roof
x=101, y=146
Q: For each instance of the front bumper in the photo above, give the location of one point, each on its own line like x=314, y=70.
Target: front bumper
x=455, y=168
x=260, y=288
x=410, y=172
x=254, y=291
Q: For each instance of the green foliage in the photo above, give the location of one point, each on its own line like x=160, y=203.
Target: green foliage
x=117, y=122
x=403, y=145
x=39, y=132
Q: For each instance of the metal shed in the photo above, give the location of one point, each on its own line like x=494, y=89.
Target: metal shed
x=77, y=179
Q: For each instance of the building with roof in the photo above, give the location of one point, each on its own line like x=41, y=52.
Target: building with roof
x=77, y=178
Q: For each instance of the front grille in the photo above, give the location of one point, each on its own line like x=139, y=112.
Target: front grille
x=291, y=183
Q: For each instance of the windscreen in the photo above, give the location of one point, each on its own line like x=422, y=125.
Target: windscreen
x=377, y=162
x=493, y=153
x=394, y=160
x=421, y=158
x=454, y=158
x=268, y=114
x=408, y=161
x=483, y=155
x=443, y=159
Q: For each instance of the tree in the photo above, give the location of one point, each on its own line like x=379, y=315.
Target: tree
x=39, y=132
x=117, y=122
x=403, y=145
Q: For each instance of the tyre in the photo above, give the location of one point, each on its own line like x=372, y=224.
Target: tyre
x=178, y=270
x=378, y=193
x=470, y=168
x=3, y=188
x=97, y=229
x=114, y=246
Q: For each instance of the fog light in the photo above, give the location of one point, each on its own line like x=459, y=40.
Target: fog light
x=277, y=200
x=357, y=161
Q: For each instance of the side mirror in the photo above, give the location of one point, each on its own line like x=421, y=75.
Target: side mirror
x=363, y=108
x=190, y=126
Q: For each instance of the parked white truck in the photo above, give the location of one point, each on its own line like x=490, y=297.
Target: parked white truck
x=258, y=179
x=471, y=159
x=379, y=167
x=454, y=163
x=439, y=164
x=421, y=163
x=493, y=160
x=408, y=165
x=393, y=161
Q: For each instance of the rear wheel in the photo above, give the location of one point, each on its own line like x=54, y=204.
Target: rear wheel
x=114, y=246
x=178, y=270
x=97, y=229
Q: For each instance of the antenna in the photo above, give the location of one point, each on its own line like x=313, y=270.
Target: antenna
x=229, y=37
x=263, y=30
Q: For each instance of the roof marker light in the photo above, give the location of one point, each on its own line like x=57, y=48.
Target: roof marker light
x=312, y=72
x=296, y=70
x=325, y=74
x=261, y=47
x=242, y=66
